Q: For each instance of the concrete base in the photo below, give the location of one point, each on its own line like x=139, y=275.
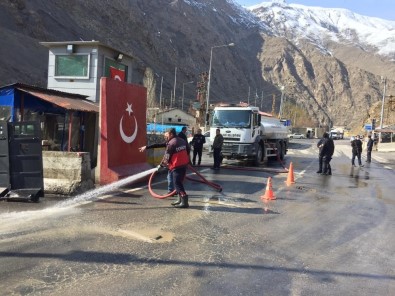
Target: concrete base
x=67, y=187
x=67, y=173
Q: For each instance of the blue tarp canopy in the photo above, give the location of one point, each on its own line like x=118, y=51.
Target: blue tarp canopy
x=161, y=128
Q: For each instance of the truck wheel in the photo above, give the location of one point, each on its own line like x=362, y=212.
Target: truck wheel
x=258, y=156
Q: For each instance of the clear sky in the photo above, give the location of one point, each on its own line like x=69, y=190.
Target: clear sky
x=384, y=9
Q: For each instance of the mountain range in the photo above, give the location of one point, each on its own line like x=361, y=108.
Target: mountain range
x=330, y=62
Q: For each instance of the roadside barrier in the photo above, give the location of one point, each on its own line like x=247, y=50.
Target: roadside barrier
x=290, y=177
x=269, y=194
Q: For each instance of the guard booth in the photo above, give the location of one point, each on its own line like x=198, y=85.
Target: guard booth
x=21, y=172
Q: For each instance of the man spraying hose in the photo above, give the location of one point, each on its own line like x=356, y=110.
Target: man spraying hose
x=176, y=159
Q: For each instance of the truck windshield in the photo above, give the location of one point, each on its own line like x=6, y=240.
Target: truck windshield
x=231, y=118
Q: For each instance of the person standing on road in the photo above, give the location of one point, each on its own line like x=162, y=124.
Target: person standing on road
x=327, y=151
x=197, y=142
x=217, y=147
x=369, y=148
x=356, y=145
x=176, y=159
x=183, y=134
x=320, y=145
x=170, y=181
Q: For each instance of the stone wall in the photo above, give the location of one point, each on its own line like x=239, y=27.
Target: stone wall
x=66, y=173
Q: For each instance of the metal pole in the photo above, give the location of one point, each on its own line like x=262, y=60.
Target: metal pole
x=382, y=109
x=208, y=89
x=261, y=101
x=256, y=96
x=160, y=95
x=182, y=99
x=281, y=102
x=175, y=84
x=209, y=82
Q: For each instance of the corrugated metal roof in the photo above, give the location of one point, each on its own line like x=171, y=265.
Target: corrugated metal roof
x=66, y=102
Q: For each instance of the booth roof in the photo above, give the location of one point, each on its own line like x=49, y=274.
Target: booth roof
x=68, y=101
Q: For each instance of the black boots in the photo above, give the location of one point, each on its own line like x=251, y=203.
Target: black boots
x=183, y=202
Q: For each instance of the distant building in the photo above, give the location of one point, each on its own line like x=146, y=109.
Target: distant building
x=172, y=117
x=77, y=66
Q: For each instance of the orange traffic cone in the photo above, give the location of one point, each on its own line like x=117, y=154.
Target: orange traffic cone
x=290, y=178
x=269, y=190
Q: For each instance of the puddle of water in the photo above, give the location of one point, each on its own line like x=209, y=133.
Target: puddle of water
x=149, y=235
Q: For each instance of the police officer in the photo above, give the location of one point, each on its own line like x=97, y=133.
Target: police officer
x=183, y=134
x=176, y=159
x=369, y=148
x=197, y=142
x=217, y=147
x=327, y=151
x=356, y=145
x=320, y=145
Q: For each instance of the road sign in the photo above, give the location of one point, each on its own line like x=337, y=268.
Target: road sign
x=368, y=127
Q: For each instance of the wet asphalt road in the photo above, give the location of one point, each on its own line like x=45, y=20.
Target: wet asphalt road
x=324, y=235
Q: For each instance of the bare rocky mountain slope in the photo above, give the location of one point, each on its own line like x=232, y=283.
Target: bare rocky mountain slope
x=164, y=34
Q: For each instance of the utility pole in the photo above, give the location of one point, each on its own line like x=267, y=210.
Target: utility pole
x=248, y=99
x=274, y=103
x=382, y=107
x=160, y=95
x=175, y=82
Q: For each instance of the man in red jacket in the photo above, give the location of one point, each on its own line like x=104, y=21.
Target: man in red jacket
x=176, y=158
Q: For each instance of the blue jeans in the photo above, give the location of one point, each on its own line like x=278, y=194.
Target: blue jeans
x=170, y=181
x=358, y=155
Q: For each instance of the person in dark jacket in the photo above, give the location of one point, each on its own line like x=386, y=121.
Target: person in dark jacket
x=217, y=147
x=356, y=145
x=176, y=159
x=320, y=145
x=183, y=134
x=369, y=148
x=197, y=143
x=326, y=152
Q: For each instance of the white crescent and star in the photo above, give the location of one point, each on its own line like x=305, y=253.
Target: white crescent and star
x=128, y=139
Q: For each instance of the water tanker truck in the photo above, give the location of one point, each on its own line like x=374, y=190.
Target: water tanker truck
x=249, y=134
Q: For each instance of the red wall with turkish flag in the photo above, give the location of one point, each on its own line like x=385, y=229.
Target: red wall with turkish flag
x=122, y=130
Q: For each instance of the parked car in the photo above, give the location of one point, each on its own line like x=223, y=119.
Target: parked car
x=205, y=145
x=297, y=136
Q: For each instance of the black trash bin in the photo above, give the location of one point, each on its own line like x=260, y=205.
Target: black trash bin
x=26, y=176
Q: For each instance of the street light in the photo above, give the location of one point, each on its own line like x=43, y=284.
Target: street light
x=280, y=113
x=383, y=79
x=182, y=100
x=209, y=81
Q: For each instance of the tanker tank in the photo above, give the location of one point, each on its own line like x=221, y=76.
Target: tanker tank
x=272, y=128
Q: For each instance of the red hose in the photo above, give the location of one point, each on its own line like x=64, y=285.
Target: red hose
x=204, y=181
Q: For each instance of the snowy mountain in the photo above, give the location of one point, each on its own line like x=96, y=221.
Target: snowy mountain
x=321, y=25
x=327, y=60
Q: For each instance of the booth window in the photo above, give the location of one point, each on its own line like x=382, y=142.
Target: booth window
x=72, y=66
